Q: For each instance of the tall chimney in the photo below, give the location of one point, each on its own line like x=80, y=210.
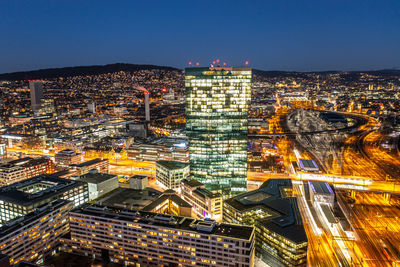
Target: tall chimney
x=147, y=106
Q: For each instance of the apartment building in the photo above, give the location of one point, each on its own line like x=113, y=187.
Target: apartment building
x=24, y=168
x=34, y=236
x=10, y=174
x=142, y=238
x=35, y=166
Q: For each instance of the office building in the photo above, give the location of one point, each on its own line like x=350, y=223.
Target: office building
x=206, y=204
x=175, y=149
x=99, y=184
x=34, y=166
x=10, y=174
x=68, y=157
x=66, y=143
x=217, y=103
x=36, y=89
x=3, y=150
x=170, y=173
x=280, y=236
x=150, y=239
x=34, y=236
x=25, y=168
x=47, y=108
x=25, y=196
x=138, y=182
x=91, y=107
x=101, y=165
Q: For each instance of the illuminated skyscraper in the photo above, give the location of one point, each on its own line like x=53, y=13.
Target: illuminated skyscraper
x=217, y=102
x=36, y=88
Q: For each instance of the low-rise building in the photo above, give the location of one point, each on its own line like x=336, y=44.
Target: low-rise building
x=35, y=235
x=280, y=236
x=172, y=149
x=169, y=174
x=68, y=157
x=138, y=182
x=35, y=166
x=206, y=204
x=24, y=168
x=10, y=174
x=101, y=165
x=99, y=183
x=24, y=197
x=308, y=165
x=150, y=239
x=321, y=192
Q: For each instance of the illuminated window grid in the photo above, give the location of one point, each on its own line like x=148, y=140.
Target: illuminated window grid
x=217, y=101
x=132, y=242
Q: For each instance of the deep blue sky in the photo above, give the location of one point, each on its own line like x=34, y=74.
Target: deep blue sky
x=272, y=35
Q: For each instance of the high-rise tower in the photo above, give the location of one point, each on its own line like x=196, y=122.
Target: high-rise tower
x=217, y=103
x=36, y=88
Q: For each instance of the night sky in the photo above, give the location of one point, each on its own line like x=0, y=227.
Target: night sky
x=272, y=35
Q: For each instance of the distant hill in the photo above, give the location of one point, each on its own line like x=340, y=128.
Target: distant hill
x=273, y=74
x=78, y=71
x=110, y=68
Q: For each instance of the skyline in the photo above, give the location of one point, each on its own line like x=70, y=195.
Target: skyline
x=361, y=35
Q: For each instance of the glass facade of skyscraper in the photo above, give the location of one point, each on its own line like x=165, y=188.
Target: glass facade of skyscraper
x=217, y=102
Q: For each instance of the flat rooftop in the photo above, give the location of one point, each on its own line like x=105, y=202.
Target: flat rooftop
x=285, y=218
x=96, y=178
x=36, y=189
x=28, y=161
x=89, y=163
x=320, y=187
x=307, y=163
x=206, y=192
x=176, y=142
x=139, y=177
x=200, y=190
x=167, y=221
x=67, y=152
x=129, y=198
x=218, y=70
x=172, y=165
x=192, y=182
